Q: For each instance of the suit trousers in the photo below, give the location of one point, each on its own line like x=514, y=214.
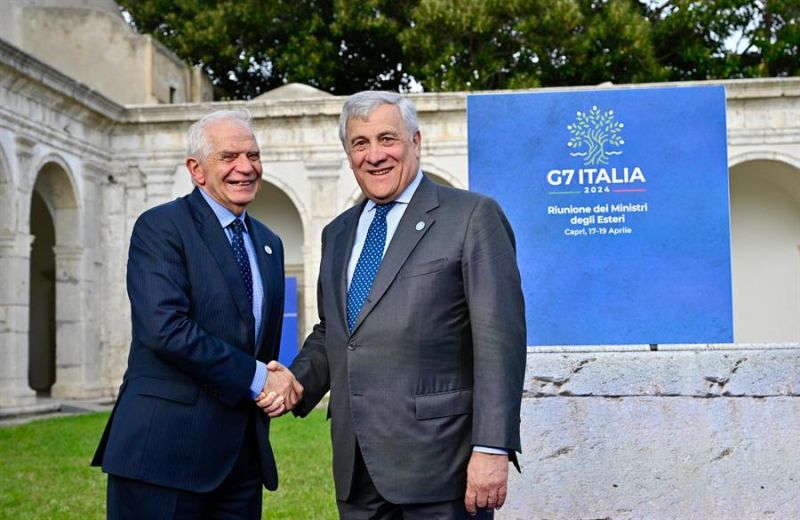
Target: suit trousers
x=366, y=503
x=237, y=498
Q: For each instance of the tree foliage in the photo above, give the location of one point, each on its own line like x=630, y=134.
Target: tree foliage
x=250, y=46
x=527, y=43
x=727, y=38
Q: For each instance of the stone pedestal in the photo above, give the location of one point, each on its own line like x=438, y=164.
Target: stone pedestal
x=694, y=432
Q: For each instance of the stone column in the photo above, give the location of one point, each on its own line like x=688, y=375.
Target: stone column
x=14, y=294
x=15, y=257
x=324, y=204
x=72, y=376
x=89, y=268
x=114, y=237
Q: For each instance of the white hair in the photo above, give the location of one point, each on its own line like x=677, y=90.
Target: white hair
x=361, y=104
x=197, y=144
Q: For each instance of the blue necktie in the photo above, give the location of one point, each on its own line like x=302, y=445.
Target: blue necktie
x=241, y=257
x=368, y=264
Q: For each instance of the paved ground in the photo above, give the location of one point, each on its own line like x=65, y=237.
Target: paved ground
x=47, y=407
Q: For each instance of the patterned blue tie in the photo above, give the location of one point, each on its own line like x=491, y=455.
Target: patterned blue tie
x=368, y=264
x=241, y=256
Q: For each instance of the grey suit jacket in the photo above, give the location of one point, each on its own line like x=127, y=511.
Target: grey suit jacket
x=436, y=360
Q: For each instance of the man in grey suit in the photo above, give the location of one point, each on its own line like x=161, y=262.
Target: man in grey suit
x=424, y=362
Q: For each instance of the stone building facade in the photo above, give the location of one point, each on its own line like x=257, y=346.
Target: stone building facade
x=90, y=41
x=611, y=432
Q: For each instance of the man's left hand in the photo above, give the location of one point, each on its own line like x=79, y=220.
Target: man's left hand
x=487, y=481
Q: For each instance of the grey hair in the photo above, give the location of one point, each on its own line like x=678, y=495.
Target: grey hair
x=361, y=104
x=197, y=144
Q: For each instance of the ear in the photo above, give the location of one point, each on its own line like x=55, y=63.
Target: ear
x=417, y=143
x=196, y=171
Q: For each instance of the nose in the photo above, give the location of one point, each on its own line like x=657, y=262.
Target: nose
x=243, y=164
x=375, y=154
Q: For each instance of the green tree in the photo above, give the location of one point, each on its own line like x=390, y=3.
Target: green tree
x=475, y=44
x=692, y=37
x=777, y=40
x=714, y=39
x=250, y=46
x=606, y=41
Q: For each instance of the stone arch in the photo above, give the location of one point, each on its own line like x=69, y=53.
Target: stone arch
x=292, y=195
x=277, y=206
x=765, y=248
x=54, y=178
x=766, y=155
x=56, y=311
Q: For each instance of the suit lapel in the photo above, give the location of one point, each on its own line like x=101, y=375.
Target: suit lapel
x=416, y=222
x=341, y=240
x=214, y=237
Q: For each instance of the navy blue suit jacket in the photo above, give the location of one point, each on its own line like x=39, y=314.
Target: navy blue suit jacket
x=184, y=403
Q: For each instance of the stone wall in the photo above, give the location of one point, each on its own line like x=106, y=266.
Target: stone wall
x=131, y=69
x=684, y=432
x=55, y=137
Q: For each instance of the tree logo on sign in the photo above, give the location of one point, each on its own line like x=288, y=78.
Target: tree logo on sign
x=595, y=131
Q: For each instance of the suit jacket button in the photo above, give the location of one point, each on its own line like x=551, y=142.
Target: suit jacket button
x=351, y=346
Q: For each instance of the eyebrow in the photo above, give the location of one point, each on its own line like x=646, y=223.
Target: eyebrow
x=392, y=133
x=233, y=152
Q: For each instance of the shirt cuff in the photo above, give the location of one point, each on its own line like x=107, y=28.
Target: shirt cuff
x=259, y=380
x=487, y=449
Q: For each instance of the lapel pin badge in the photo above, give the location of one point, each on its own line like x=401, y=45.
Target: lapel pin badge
x=268, y=250
x=420, y=225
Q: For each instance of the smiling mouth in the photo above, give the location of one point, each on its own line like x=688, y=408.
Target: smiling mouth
x=241, y=183
x=384, y=171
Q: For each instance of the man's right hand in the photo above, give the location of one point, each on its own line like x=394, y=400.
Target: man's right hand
x=281, y=392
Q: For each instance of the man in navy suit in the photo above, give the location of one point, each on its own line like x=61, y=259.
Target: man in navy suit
x=205, y=281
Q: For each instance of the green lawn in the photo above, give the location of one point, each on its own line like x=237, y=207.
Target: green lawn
x=45, y=472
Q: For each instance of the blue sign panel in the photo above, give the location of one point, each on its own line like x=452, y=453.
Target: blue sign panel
x=289, y=331
x=619, y=202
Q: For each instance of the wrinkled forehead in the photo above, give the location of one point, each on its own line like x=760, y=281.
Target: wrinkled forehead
x=228, y=125
x=227, y=132
x=381, y=115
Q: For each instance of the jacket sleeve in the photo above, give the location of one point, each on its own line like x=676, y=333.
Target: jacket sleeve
x=497, y=316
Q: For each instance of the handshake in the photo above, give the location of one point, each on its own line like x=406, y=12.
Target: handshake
x=281, y=392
